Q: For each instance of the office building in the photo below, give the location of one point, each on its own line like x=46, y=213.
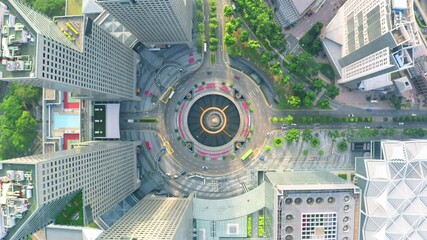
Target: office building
x=35, y=189
x=155, y=218
x=289, y=11
x=311, y=205
x=369, y=39
x=154, y=22
x=70, y=54
x=394, y=193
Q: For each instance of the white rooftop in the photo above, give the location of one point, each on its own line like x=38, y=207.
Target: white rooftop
x=395, y=194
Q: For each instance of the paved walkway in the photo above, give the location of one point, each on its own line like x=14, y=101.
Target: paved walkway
x=358, y=99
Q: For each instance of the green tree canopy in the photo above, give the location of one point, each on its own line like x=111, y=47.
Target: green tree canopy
x=294, y=101
x=244, y=36
x=302, y=65
x=17, y=128
x=332, y=91
x=229, y=40
x=324, y=104
x=289, y=119
x=276, y=69
x=228, y=11
x=292, y=135
x=298, y=89
x=317, y=84
x=51, y=8
x=253, y=44
x=307, y=134
x=25, y=93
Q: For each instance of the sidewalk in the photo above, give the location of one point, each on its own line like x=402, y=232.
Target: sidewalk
x=357, y=98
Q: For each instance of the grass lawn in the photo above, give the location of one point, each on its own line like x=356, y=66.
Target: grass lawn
x=343, y=175
x=74, y=7
x=213, y=58
x=74, y=207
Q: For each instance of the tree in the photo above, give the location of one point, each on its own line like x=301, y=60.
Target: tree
x=307, y=134
x=230, y=27
x=276, y=68
x=25, y=93
x=213, y=41
x=25, y=132
x=199, y=15
x=229, y=40
x=51, y=8
x=414, y=132
x=342, y=146
x=266, y=57
x=17, y=128
x=294, y=101
x=292, y=135
x=286, y=79
x=238, y=22
x=213, y=27
x=332, y=91
x=274, y=119
x=298, y=89
x=309, y=99
x=324, y=104
x=308, y=102
x=389, y=132
x=253, y=44
x=317, y=84
x=199, y=3
x=228, y=11
x=244, y=36
x=12, y=110
x=302, y=65
x=289, y=119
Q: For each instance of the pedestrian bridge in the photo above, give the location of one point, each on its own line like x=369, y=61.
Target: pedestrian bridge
x=229, y=208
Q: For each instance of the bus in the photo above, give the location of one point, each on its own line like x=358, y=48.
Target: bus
x=171, y=95
x=206, y=47
x=247, y=154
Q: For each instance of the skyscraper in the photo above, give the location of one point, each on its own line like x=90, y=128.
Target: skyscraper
x=154, y=22
x=35, y=189
x=70, y=54
x=369, y=39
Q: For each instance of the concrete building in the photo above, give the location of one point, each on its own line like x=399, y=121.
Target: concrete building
x=289, y=11
x=287, y=205
x=70, y=54
x=369, y=39
x=35, y=189
x=311, y=205
x=155, y=218
x=154, y=22
x=394, y=193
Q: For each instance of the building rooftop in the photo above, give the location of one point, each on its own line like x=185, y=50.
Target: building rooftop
x=306, y=180
x=394, y=192
x=153, y=218
x=18, y=47
x=314, y=205
x=107, y=22
x=18, y=199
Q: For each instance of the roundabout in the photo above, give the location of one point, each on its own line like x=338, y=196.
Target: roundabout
x=208, y=124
